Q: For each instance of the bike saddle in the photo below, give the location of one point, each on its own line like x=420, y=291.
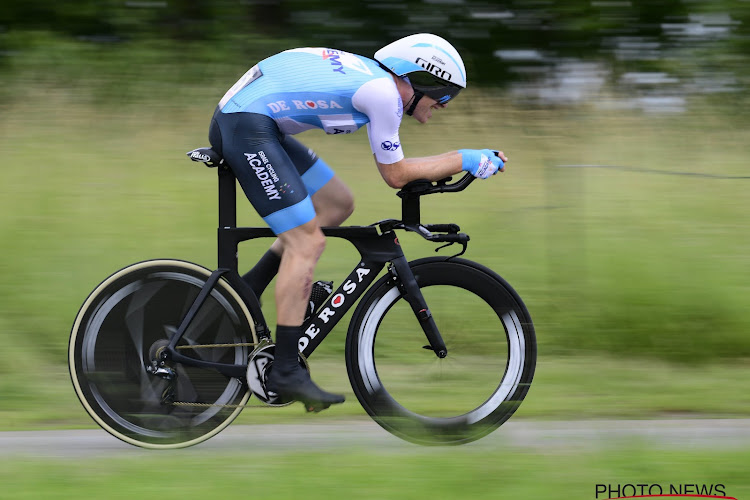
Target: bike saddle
x=207, y=156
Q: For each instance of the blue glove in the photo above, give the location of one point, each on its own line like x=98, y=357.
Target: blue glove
x=481, y=163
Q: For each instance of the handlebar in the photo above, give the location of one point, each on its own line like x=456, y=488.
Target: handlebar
x=422, y=187
x=412, y=191
x=410, y=211
x=450, y=238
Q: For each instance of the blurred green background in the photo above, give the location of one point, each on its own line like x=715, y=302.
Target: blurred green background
x=622, y=219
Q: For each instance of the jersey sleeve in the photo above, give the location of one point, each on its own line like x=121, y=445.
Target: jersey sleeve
x=380, y=101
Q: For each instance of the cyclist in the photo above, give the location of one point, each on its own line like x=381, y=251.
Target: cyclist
x=296, y=192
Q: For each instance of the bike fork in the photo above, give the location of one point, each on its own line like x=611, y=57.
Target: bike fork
x=407, y=283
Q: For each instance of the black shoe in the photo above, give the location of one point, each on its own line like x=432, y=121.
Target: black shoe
x=298, y=386
x=321, y=290
x=289, y=379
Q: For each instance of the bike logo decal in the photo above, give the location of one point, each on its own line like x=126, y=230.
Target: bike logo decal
x=336, y=302
x=338, y=299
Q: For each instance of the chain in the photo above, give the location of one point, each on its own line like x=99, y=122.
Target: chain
x=208, y=405
x=207, y=346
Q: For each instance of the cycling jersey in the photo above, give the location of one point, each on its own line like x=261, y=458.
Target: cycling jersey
x=332, y=90
x=288, y=93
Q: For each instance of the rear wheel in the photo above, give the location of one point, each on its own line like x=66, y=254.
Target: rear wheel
x=415, y=395
x=121, y=329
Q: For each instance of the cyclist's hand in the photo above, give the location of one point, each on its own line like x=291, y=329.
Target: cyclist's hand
x=482, y=163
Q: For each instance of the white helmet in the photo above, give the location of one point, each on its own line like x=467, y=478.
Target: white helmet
x=432, y=66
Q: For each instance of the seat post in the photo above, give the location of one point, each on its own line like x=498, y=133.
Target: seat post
x=227, y=197
x=227, y=243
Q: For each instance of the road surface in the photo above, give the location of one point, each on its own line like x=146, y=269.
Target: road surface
x=365, y=434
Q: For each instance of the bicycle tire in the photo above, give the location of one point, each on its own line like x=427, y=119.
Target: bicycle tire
x=119, y=329
x=412, y=393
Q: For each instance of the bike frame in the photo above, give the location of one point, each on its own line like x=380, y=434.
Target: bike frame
x=377, y=245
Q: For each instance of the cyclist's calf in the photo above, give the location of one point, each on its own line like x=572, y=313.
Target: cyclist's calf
x=303, y=246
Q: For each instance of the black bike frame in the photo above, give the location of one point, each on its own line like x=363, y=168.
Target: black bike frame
x=378, y=245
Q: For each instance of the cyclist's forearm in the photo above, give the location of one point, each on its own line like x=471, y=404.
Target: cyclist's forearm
x=434, y=167
x=428, y=167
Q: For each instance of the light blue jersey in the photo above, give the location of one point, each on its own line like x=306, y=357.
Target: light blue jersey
x=306, y=88
x=298, y=90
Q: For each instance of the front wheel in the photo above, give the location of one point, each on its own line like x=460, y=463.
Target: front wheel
x=415, y=395
x=118, y=335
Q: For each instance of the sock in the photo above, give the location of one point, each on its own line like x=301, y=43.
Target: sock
x=263, y=272
x=287, y=348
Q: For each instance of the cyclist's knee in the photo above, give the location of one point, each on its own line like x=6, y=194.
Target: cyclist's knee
x=306, y=241
x=346, y=207
x=339, y=211
x=317, y=243
x=334, y=202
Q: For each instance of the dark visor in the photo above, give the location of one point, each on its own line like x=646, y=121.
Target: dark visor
x=433, y=87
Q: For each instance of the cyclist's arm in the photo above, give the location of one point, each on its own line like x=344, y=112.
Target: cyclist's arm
x=380, y=101
x=432, y=168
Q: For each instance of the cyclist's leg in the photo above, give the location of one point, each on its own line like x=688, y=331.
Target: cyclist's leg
x=303, y=246
x=331, y=198
x=226, y=128
x=333, y=203
x=250, y=144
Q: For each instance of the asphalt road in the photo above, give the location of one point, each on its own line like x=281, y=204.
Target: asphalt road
x=365, y=434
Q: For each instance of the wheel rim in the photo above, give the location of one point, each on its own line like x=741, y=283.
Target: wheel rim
x=126, y=316
x=480, y=387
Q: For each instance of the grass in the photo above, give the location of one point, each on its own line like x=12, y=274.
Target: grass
x=564, y=388
x=637, y=281
x=466, y=472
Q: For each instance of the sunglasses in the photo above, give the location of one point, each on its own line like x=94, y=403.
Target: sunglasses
x=434, y=87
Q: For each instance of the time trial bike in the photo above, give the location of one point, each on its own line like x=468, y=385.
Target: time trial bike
x=440, y=350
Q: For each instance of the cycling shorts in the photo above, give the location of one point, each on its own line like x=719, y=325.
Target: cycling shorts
x=277, y=173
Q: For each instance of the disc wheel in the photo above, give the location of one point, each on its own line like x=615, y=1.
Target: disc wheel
x=115, y=344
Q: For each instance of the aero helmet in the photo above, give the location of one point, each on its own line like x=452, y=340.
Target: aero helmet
x=430, y=64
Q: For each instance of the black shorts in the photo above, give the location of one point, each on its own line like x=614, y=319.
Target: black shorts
x=277, y=173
